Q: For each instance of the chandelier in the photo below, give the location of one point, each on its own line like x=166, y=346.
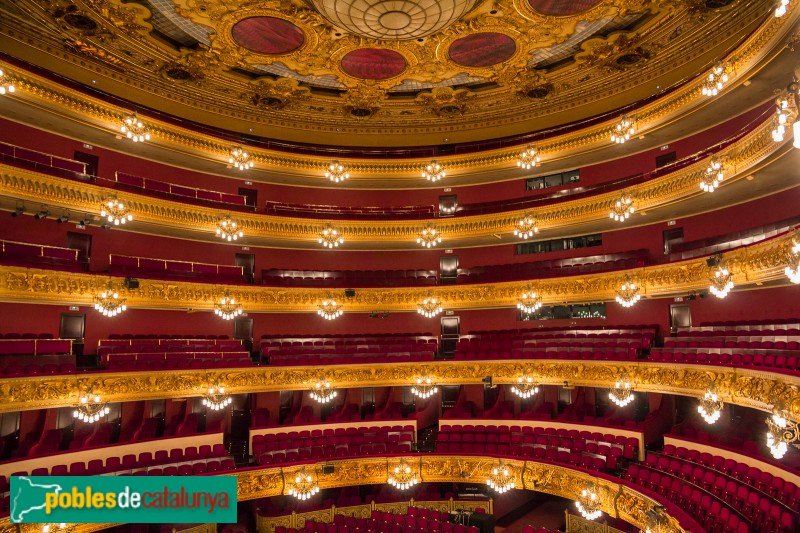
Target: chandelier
x=228, y=229
x=240, y=159
x=329, y=309
x=712, y=176
x=323, y=392
x=429, y=307
x=500, y=479
x=780, y=120
x=227, y=308
x=330, y=237
x=628, y=293
x=623, y=131
x=528, y=158
x=90, y=408
x=781, y=431
x=303, y=486
x=716, y=80
x=134, y=130
x=115, y=212
x=402, y=477
x=622, y=208
x=526, y=227
x=429, y=237
x=433, y=171
x=622, y=392
x=424, y=388
x=529, y=302
x=710, y=407
x=588, y=503
x=108, y=302
x=792, y=269
x=721, y=280
x=57, y=528
x=781, y=9
x=525, y=387
x=6, y=85
x=336, y=172
x=216, y=398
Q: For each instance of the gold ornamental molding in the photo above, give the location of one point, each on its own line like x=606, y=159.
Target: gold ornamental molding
x=752, y=266
x=764, y=41
x=750, y=388
x=742, y=158
x=617, y=500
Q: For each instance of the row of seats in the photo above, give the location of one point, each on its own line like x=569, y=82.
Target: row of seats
x=355, y=358
x=123, y=365
x=317, y=453
x=167, y=345
x=36, y=369
x=623, y=354
x=773, y=486
x=10, y=346
x=153, y=336
x=743, y=359
x=182, y=193
x=348, y=278
x=370, y=212
x=746, y=342
x=145, y=267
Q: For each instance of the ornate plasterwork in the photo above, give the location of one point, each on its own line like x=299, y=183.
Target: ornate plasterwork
x=742, y=156
x=665, y=40
x=617, y=500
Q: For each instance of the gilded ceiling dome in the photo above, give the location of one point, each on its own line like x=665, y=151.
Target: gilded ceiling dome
x=393, y=20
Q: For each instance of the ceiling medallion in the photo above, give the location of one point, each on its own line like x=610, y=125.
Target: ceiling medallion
x=428, y=237
x=528, y=158
x=276, y=94
x=433, y=171
x=445, y=101
x=268, y=35
x=336, y=172
x=389, y=20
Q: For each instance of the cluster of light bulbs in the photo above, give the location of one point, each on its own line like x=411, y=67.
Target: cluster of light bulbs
x=6, y=85
x=622, y=393
x=228, y=230
x=109, y=304
x=336, y=172
x=710, y=407
x=792, y=269
x=304, y=486
x=330, y=238
x=781, y=9
x=622, y=208
x=330, y=309
x=529, y=302
x=240, y=159
x=322, y=392
x=778, y=447
x=528, y=158
x=623, y=131
x=721, y=282
x=429, y=307
x=134, y=129
x=588, y=504
x=90, y=408
x=525, y=387
x=429, y=237
x=713, y=174
x=424, y=388
x=500, y=480
x=715, y=80
x=217, y=399
x=527, y=227
x=402, y=477
x=115, y=212
x=628, y=294
x=227, y=308
x=433, y=171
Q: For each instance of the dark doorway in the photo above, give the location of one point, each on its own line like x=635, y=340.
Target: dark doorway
x=73, y=326
x=250, y=196
x=448, y=269
x=91, y=161
x=680, y=316
x=248, y=264
x=665, y=159
x=451, y=330
x=83, y=243
x=671, y=238
x=243, y=330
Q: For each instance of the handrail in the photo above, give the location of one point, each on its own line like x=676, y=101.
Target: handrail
x=138, y=258
x=36, y=343
x=40, y=246
x=170, y=184
x=52, y=158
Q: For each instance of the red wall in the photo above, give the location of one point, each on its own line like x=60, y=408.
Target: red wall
x=229, y=180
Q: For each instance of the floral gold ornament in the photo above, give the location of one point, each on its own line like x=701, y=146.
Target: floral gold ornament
x=330, y=237
x=6, y=84
x=657, y=521
x=402, y=476
x=241, y=159
x=429, y=307
x=500, y=479
x=721, y=279
x=622, y=208
x=109, y=303
x=628, y=293
x=710, y=406
x=529, y=302
x=302, y=486
x=715, y=80
x=713, y=175
x=781, y=432
x=329, y=309
x=216, y=398
x=429, y=237
x=433, y=171
x=91, y=408
x=621, y=394
x=115, y=212
x=57, y=528
x=424, y=388
x=526, y=227
x=322, y=392
x=227, y=308
x=228, y=229
x=528, y=158
x=336, y=171
x=525, y=387
x=134, y=129
x=623, y=130
x=588, y=503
